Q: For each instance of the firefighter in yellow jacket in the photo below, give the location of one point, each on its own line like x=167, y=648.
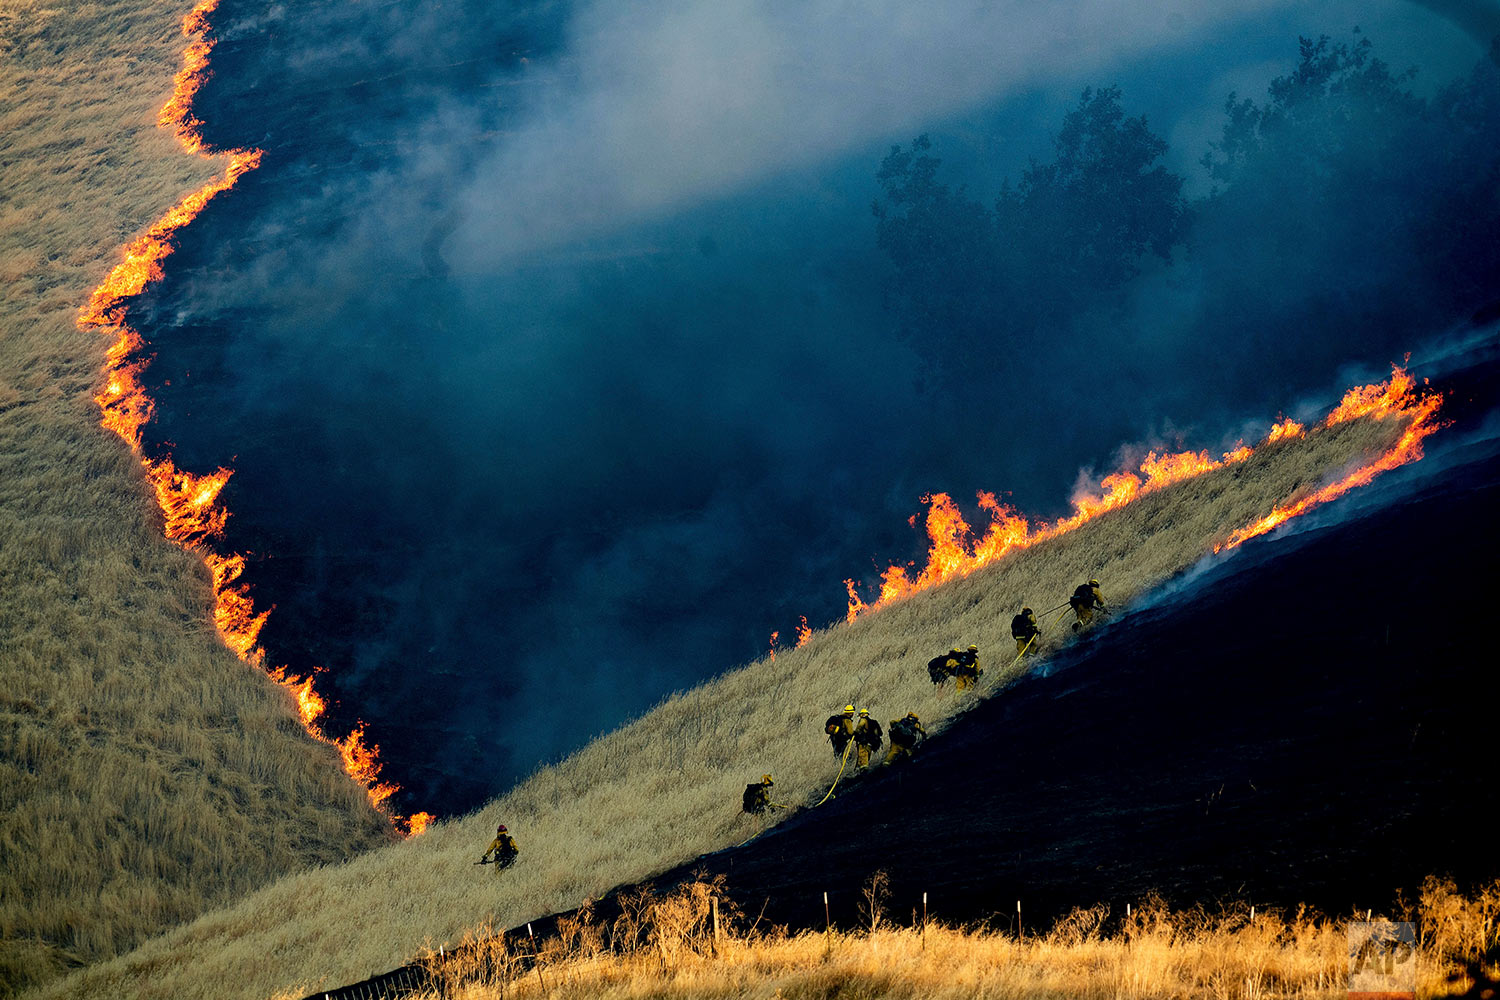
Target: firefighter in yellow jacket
x=840, y=729
x=968, y=671
x=867, y=737
x=757, y=797
x=905, y=734
x=503, y=848
x=1024, y=629
x=1084, y=601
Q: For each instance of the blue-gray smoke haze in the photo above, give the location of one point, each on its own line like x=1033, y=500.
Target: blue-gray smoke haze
x=555, y=353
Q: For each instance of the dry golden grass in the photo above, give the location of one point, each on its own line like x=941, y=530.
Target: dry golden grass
x=145, y=773
x=665, y=948
x=666, y=787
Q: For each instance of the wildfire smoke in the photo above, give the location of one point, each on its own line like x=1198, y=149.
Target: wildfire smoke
x=189, y=503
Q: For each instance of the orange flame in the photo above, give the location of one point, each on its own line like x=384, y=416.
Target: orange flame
x=774, y=637
x=310, y=704
x=363, y=764
x=189, y=503
x=955, y=552
x=804, y=632
x=1394, y=398
x=1285, y=429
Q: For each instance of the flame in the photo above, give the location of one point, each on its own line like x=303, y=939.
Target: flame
x=774, y=637
x=310, y=704
x=363, y=764
x=804, y=632
x=857, y=605
x=1284, y=429
x=189, y=503
x=1394, y=398
x=954, y=551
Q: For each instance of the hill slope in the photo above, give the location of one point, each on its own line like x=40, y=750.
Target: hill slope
x=145, y=773
x=665, y=788
x=1302, y=723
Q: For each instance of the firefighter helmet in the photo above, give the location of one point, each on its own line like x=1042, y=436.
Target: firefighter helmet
x=848, y=709
x=765, y=779
x=1093, y=583
x=864, y=711
x=500, y=828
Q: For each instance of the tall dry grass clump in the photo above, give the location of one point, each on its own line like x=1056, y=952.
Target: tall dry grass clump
x=145, y=774
x=666, y=947
x=665, y=788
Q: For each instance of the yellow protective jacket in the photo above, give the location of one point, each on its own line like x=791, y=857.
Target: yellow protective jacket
x=501, y=847
x=1086, y=597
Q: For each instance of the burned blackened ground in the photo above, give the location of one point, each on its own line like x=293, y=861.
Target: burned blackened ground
x=1310, y=719
x=507, y=503
x=1307, y=720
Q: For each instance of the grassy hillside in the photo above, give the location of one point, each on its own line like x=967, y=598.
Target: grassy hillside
x=665, y=788
x=145, y=773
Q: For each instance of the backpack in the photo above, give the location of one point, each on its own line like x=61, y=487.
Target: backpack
x=756, y=797
x=937, y=669
x=903, y=734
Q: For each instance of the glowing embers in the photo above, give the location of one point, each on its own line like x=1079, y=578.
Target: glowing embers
x=190, y=503
x=954, y=551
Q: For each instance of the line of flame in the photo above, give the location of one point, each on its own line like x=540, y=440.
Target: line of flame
x=955, y=552
x=189, y=503
x=1393, y=399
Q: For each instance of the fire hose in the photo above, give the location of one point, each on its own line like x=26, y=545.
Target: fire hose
x=842, y=762
x=1038, y=635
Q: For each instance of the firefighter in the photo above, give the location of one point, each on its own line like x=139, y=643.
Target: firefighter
x=906, y=733
x=867, y=737
x=758, y=796
x=839, y=729
x=940, y=667
x=1023, y=629
x=967, y=671
x=1084, y=601
x=503, y=847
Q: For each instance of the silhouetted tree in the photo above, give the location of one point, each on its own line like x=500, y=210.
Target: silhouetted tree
x=1106, y=201
x=975, y=284
x=1349, y=209
x=942, y=244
